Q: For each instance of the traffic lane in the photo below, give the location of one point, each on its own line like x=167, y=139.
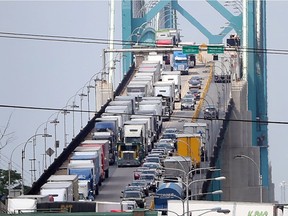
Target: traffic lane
x=179, y=117
x=111, y=188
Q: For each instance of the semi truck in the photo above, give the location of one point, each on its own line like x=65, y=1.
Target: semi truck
x=173, y=76
x=147, y=132
x=197, y=128
x=100, y=152
x=60, y=191
x=136, y=81
x=119, y=110
x=152, y=107
x=180, y=62
x=145, y=79
x=177, y=166
x=154, y=56
x=86, y=165
x=189, y=145
x=128, y=103
x=137, y=89
x=109, y=136
x=25, y=203
x=167, y=37
x=151, y=67
x=105, y=124
x=131, y=152
x=151, y=126
x=104, y=145
x=166, y=90
x=67, y=178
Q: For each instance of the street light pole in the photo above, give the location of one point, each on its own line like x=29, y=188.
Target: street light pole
x=65, y=112
x=73, y=115
x=88, y=99
x=259, y=173
x=55, y=122
x=10, y=166
x=187, y=184
x=23, y=157
x=81, y=109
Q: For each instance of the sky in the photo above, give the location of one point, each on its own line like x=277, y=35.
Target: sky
x=52, y=74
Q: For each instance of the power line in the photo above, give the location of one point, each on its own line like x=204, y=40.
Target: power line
x=56, y=38
x=175, y=117
x=102, y=41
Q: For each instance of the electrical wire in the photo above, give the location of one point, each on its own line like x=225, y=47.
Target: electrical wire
x=102, y=41
x=174, y=117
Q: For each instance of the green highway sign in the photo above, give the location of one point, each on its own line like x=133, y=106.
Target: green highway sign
x=190, y=49
x=215, y=49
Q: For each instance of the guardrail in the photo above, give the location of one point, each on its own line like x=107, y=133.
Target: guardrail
x=203, y=95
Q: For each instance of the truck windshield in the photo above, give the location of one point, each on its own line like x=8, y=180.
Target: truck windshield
x=133, y=139
x=135, y=89
x=181, y=61
x=128, y=148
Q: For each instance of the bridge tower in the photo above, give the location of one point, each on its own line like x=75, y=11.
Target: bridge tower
x=140, y=19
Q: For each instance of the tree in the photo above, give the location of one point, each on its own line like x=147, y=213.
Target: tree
x=15, y=178
x=5, y=136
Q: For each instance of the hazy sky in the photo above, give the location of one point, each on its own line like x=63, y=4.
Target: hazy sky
x=42, y=73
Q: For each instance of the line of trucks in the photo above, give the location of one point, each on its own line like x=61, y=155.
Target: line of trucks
x=124, y=134
x=149, y=100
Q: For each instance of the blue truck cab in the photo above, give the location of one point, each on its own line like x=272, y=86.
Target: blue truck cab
x=180, y=62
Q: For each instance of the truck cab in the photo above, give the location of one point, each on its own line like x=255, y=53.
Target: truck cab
x=180, y=62
x=131, y=151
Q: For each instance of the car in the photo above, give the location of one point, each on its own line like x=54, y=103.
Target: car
x=153, y=160
x=136, y=196
x=138, y=171
x=194, y=84
x=190, y=96
x=155, y=154
x=211, y=112
x=171, y=130
x=195, y=92
x=141, y=183
x=171, y=136
x=187, y=104
x=150, y=179
x=134, y=188
x=159, y=150
x=198, y=78
x=169, y=147
x=172, y=142
x=159, y=153
x=155, y=172
x=152, y=165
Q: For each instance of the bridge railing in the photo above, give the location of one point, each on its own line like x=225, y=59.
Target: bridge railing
x=78, y=139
